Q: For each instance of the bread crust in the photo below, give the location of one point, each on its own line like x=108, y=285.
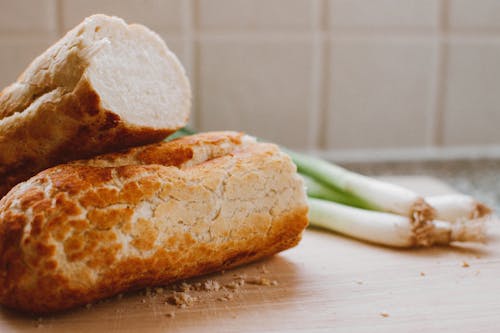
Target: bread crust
x=53, y=113
x=83, y=231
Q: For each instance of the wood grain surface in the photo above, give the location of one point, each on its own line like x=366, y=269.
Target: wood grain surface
x=327, y=283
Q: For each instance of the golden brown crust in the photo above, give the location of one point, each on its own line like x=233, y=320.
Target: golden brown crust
x=183, y=152
x=79, y=232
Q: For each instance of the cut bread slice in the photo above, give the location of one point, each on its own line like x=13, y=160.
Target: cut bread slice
x=104, y=86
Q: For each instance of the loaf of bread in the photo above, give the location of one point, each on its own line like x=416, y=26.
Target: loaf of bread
x=104, y=86
x=90, y=229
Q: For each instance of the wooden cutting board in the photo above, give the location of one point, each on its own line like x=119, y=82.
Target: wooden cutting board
x=327, y=283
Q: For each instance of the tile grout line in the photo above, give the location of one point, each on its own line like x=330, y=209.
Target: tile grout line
x=443, y=153
x=303, y=34
x=324, y=76
x=273, y=35
x=58, y=8
x=316, y=105
x=188, y=41
x=195, y=62
x=431, y=114
x=442, y=73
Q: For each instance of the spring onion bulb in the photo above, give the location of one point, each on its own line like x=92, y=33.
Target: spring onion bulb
x=388, y=229
x=458, y=207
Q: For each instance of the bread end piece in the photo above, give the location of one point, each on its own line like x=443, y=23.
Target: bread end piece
x=104, y=86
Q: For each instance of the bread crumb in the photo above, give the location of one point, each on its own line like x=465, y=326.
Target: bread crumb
x=211, y=285
x=384, y=314
x=225, y=298
x=465, y=264
x=264, y=269
x=88, y=306
x=261, y=281
x=236, y=284
x=182, y=294
x=143, y=300
x=184, y=287
x=170, y=314
x=181, y=299
x=422, y=274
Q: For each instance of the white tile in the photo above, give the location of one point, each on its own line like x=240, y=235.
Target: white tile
x=472, y=104
x=380, y=92
x=16, y=55
x=474, y=14
x=262, y=87
x=255, y=14
x=27, y=16
x=383, y=13
x=161, y=15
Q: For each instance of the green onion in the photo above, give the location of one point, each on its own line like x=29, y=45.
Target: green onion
x=449, y=207
x=388, y=229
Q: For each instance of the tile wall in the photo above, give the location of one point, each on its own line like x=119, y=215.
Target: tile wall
x=349, y=79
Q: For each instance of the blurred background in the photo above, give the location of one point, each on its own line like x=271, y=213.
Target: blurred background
x=352, y=80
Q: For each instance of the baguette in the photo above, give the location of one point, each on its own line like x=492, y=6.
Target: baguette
x=87, y=230
x=103, y=87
